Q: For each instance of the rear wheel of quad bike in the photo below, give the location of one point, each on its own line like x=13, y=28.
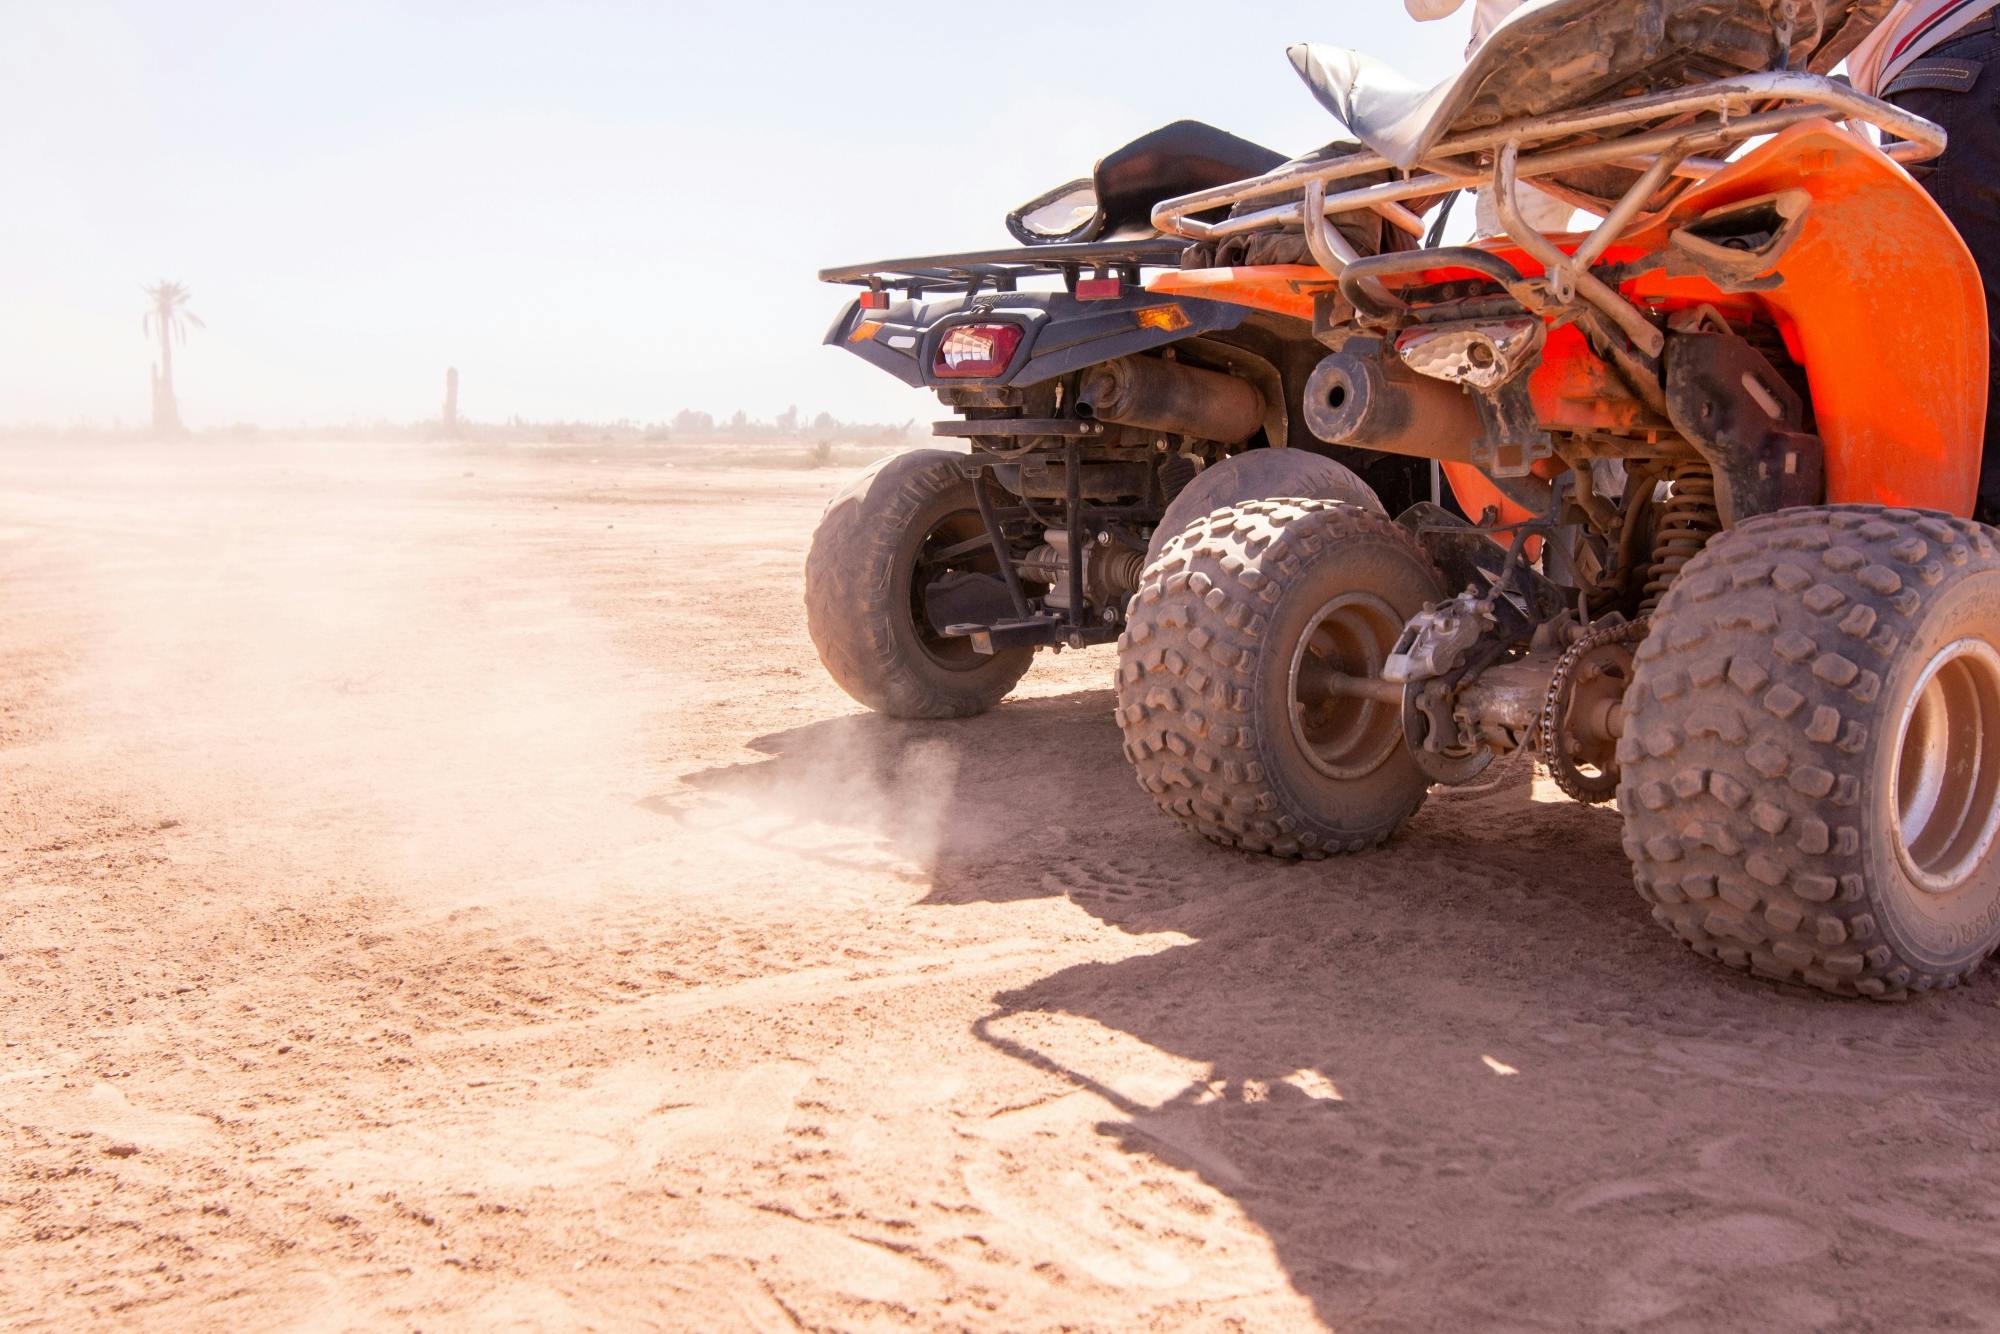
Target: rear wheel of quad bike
x=898, y=555
x=1232, y=647
x=1811, y=756
x=1261, y=474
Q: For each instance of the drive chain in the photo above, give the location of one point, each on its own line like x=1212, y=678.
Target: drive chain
x=1590, y=789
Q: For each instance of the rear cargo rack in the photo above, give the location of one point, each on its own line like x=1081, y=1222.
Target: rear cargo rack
x=1004, y=270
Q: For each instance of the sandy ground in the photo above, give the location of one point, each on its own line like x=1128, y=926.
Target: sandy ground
x=440, y=890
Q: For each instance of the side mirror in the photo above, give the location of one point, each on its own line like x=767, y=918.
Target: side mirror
x=1067, y=213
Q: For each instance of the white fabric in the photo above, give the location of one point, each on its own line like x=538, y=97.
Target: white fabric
x=1545, y=213
x=1541, y=211
x=1486, y=14
x=1912, y=28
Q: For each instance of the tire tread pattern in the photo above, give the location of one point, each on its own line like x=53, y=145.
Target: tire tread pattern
x=1188, y=663
x=852, y=605
x=1747, y=741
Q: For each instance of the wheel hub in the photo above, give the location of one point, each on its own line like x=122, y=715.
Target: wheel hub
x=1344, y=735
x=1947, y=775
x=953, y=579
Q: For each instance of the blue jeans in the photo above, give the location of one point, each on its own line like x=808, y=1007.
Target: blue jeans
x=1957, y=85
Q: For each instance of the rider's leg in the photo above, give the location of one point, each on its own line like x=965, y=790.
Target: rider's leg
x=1957, y=85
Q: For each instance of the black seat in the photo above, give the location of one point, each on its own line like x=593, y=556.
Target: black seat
x=1175, y=159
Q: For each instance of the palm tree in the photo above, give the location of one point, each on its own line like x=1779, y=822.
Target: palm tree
x=169, y=318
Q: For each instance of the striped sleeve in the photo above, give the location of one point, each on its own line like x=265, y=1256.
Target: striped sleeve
x=1912, y=29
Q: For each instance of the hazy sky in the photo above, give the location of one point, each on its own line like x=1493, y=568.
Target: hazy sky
x=595, y=210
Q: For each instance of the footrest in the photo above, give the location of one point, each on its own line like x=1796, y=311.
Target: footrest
x=1034, y=632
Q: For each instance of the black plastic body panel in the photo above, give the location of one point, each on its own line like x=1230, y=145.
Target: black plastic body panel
x=1062, y=333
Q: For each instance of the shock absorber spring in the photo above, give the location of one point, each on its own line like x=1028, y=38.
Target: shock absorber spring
x=1688, y=518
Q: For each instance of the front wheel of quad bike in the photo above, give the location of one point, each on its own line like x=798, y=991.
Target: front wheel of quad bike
x=1226, y=672
x=1811, y=755
x=896, y=553
x=1261, y=474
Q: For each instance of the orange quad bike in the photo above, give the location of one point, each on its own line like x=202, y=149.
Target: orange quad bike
x=1720, y=450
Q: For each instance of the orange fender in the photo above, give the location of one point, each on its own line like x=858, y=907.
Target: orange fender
x=1883, y=305
x=1281, y=289
x=1878, y=299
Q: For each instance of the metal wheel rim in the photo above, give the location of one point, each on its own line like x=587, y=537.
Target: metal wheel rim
x=1344, y=737
x=1946, y=781
x=956, y=655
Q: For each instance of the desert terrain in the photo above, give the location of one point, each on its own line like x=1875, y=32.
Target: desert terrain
x=440, y=890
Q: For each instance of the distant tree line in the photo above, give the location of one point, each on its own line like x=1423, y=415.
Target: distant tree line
x=167, y=320
x=788, y=424
x=822, y=429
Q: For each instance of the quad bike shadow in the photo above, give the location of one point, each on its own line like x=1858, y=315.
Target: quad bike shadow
x=967, y=810
x=1036, y=800
x=1387, y=1127
x=1348, y=1032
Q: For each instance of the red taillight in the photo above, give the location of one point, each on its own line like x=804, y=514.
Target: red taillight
x=874, y=300
x=1099, y=289
x=973, y=350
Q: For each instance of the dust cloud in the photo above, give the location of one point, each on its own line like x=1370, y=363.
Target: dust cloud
x=858, y=791
x=315, y=651
x=320, y=651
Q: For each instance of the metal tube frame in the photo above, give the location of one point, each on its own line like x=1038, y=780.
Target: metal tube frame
x=1728, y=113
x=1567, y=279
x=1073, y=499
x=997, y=537
x=1742, y=108
x=1710, y=135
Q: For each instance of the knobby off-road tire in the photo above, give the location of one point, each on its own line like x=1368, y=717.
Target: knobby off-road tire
x=1812, y=750
x=1240, y=614
x=1261, y=474
x=865, y=613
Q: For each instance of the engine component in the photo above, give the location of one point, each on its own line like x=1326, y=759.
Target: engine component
x=1501, y=706
x=1110, y=570
x=1485, y=354
x=1159, y=395
x=1039, y=476
x=1457, y=729
x=1583, y=713
x=1358, y=397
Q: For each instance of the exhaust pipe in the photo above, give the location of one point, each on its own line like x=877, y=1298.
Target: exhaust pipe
x=1375, y=404
x=1157, y=395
